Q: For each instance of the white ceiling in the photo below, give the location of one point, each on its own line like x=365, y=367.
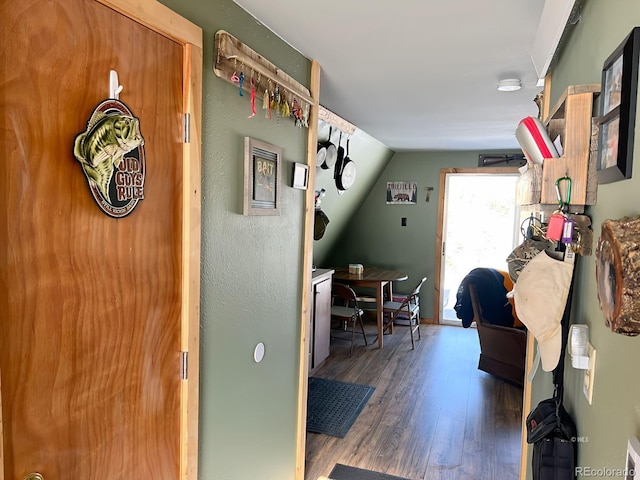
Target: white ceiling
x=417, y=74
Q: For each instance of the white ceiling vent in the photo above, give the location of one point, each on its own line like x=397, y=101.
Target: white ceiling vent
x=556, y=14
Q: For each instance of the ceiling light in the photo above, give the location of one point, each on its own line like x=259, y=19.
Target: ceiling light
x=509, y=85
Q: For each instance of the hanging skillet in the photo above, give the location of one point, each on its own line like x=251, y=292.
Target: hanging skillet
x=339, y=158
x=327, y=153
x=345, y=176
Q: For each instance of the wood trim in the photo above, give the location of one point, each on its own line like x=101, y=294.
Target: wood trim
x=443, y=175
x=546, y=97
x=307, y=261
x=526, y=406
x=340, y=123
x=191, y=234
x=167, y=23
x=160, y=19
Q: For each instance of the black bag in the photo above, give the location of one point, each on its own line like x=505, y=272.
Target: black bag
x=553, y=434
x=551, y=429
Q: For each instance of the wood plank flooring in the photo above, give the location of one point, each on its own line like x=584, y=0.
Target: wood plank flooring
x=433, y=414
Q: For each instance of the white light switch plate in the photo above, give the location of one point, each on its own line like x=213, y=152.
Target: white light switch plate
x=589, y=375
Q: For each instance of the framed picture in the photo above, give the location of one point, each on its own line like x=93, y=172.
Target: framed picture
x=402, y=193
x=300, y=176
x=618, y=110
x=262, y=164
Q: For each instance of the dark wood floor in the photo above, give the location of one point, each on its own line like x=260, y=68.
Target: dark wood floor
x=433, y=414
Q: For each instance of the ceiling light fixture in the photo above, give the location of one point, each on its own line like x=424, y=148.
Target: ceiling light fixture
x=509, y=85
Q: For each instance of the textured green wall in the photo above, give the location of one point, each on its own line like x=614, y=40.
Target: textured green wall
x=251, y=269
x=615, y=413
x=370, y=157
x=375, y=236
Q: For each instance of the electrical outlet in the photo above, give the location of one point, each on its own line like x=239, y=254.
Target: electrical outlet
x=589, y=375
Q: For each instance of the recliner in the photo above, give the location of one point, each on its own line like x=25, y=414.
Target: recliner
x=502, y=348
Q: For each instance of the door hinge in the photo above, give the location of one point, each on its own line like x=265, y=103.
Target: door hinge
x=184, y=365
x=187, y=129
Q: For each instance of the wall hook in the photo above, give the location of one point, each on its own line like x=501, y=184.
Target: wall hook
x=114, y=85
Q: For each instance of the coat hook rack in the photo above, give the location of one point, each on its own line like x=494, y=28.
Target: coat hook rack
x=114, y=85
x=230, y=54
x=331, y=118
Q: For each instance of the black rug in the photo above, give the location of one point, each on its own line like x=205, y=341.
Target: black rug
x=333, y=406
x=344, y=472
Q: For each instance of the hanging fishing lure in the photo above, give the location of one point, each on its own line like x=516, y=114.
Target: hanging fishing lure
x=241, y=83
x=253, y=98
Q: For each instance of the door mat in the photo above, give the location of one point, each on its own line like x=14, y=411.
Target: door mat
x=333, y=406
x=344, y=472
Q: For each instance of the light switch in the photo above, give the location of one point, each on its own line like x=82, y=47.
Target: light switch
x=589, y=375
x=404, y=221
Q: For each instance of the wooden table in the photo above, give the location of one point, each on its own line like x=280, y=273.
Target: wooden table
x=376, y=278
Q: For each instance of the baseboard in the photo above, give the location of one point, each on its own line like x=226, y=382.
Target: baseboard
x=428, y=321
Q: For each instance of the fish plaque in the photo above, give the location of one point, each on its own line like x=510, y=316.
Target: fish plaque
x=111, y=153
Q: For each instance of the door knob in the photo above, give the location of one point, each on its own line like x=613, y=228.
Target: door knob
x=33, y=476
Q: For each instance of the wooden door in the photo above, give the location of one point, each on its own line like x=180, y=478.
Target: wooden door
x=93, y=310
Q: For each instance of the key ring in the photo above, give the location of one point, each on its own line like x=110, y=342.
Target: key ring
x=564, y=206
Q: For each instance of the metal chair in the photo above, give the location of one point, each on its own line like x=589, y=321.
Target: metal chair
x=408, y=308
x=346, y=311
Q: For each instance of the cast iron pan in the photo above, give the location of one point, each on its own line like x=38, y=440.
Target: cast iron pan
x=327, y=153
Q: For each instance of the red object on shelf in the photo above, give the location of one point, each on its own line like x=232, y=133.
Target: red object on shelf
x=534, y=140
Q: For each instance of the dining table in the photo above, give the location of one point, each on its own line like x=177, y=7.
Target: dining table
x=380, y=279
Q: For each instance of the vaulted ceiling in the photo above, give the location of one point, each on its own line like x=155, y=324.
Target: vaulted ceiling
x=418, y=74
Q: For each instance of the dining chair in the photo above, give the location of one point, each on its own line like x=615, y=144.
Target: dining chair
x=345, y=311
x=408, y=308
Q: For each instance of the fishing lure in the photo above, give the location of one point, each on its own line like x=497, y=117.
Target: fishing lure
x=241, y=83
x=253, y=99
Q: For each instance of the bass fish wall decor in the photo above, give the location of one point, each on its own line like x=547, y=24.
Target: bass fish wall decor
x=111, y=152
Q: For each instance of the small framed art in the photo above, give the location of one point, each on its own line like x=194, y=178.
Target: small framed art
x=618, y=112
x=262, y=163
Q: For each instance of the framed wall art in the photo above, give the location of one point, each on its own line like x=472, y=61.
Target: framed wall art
x=402, y=193
x=618, y=110
x=262, y=165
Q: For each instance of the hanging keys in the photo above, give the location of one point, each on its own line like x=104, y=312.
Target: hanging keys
x=555, y=227
x=560, y=226
x=567, y=231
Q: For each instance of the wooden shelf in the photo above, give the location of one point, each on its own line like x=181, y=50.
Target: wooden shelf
x=231, y=55
x=571, y=119
x=331, y=118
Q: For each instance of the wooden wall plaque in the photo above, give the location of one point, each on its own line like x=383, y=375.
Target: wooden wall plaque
x=618, y=274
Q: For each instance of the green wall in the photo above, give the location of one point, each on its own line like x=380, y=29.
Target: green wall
x=615, y=413
x=370, y=157
x=252, y=266
x=375, y=236
x=251, y=269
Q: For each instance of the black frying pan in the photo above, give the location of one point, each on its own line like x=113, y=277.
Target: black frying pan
x=339, y=159
x=327, y=153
